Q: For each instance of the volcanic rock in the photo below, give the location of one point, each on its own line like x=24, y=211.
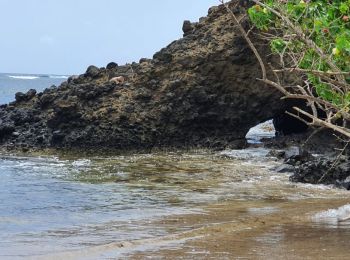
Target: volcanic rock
x=199, y=91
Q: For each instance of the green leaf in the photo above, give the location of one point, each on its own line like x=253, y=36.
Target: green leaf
x=344, y=8
x=278, y=45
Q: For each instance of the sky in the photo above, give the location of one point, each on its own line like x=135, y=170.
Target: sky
x=66, y=36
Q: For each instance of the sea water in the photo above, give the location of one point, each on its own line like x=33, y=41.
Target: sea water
x=10, y=83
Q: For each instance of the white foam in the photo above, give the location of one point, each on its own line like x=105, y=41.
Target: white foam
x=23, y=77
x=58, y=77
x=333, y=216
x=249, y=153
x=263, y=211
x=82, y=163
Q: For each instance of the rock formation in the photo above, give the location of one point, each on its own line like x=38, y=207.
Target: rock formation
x=200, y=90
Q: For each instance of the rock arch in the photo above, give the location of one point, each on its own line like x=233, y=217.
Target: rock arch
x=200, y=90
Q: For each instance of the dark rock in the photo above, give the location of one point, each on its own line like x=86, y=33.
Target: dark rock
x=212, y=10
x=64, y=112
x=322, y=170
x=30, y=94
x=46, y=99
x=342, y=184
x=16, y=134
x=200, y=95
x=111, y=65
x=21, y=116
x=296, y=153
x=51, y=89
x=20, y=96
x=285, y=168
x=143, y=94
x=57, y=137
x=142, y=60
x=6, y=129
x=285, y=124
x=40, y=139
x=64, y=85
x=174, y=84
x=187, y=27
x=163, y=56
x=72, y=78
x=276, y=153
x=92, y=71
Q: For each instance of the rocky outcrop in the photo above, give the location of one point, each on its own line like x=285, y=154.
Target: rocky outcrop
x=324, y=170
x=200, y=90
x=316, y=157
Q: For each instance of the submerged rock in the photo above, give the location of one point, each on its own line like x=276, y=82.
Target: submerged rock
x=285, y=168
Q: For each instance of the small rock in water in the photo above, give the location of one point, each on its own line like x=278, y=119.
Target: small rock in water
x=285, y=168
x=342, y=184
x=276, y=153
x=295, y=153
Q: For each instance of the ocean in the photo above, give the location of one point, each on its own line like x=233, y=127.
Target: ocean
x=10, y=83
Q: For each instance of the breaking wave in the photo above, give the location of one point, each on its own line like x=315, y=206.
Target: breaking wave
x=27, y=77
x=31, y=77
x=58, y=77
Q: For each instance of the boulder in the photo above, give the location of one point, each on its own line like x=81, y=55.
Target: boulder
x=285, y=168
x=20, y=96
x=30, y=94
x=296, y=153
x=92, y=71
x=111, y=65
x=187, y=27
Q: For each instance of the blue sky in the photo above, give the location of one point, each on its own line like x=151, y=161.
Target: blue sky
x=65, y=36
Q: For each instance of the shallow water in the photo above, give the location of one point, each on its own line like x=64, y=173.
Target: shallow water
x=51, y=206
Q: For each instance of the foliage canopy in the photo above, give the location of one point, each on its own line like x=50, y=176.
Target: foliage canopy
x=312, y=37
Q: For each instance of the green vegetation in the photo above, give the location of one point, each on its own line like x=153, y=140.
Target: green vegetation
x=312, y=39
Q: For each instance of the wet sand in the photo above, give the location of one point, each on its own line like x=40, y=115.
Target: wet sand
x=271, y=229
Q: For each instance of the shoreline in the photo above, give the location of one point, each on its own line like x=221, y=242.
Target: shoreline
x=248, y=201
x=307, y=157
x=221, y=232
